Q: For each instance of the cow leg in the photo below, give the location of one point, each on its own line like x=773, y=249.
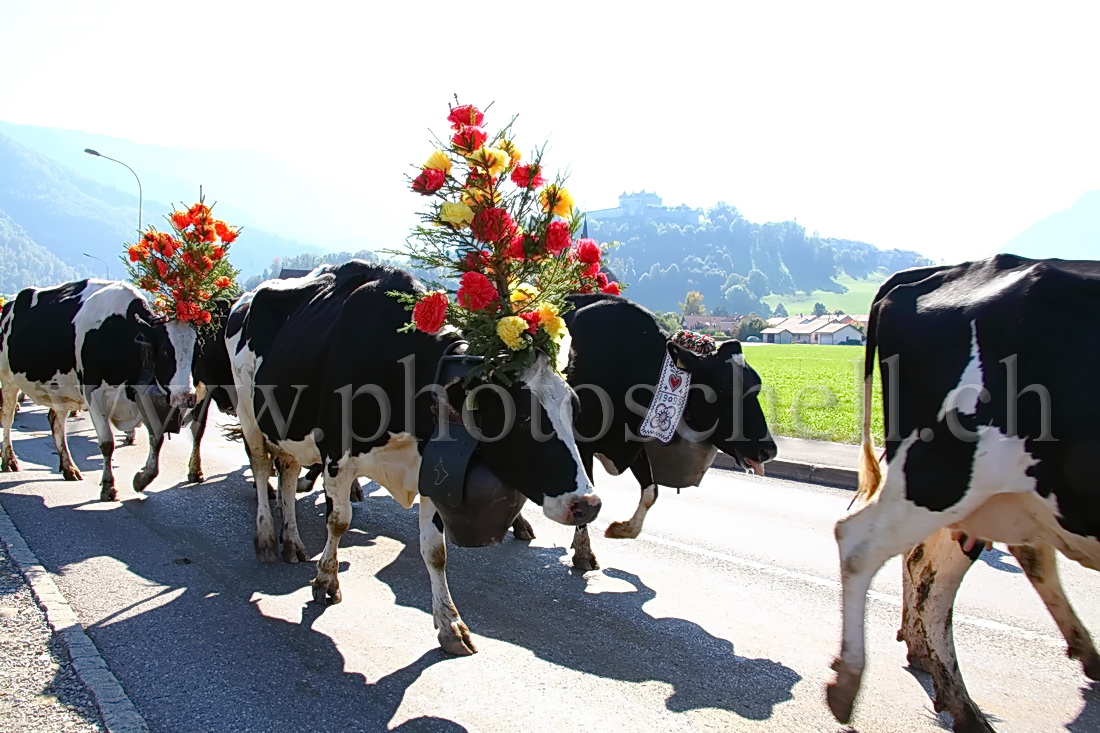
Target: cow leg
x=583, y=557
x=151, y=470
x=131, y=437
x=1041, y=569
x=65, y=459
x=933, y=572
x=453, y=636
x=633, y=526
x=105, y=437
x=293, y=549
x=265, y=544
x=198, y=429
x=326, y=586
x=866, y=539
x=8, y=405
x=522, y=529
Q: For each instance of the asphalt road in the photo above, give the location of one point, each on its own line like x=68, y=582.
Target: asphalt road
x=723, y=616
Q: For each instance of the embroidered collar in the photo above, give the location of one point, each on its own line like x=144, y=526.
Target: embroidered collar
x=698, y=343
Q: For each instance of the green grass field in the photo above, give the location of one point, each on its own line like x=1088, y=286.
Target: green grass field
x=857, y=301
x=814, y=391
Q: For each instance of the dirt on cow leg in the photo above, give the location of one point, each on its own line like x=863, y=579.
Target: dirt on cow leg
x=522, y=529
x=107, y=489
x=583, y=557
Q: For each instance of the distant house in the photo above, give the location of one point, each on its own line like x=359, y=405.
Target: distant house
x=722, y=323
x=646, y=205
x=828, y=330
x=292, y=272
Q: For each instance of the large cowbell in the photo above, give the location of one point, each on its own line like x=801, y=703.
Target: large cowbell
x=476, y=507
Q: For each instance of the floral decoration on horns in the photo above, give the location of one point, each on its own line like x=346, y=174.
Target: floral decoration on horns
x=185, y=268
x=497, y=226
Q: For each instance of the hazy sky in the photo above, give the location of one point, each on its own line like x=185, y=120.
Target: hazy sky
x=944, y=127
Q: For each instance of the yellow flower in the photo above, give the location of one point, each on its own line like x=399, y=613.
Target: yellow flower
x=439, y=161
x=2, y=301
x=557, y=199
x=524, y=292
x=456, y=214
x=548, y=311
x=513, y=152
x=554, y=325
x=493, y=160
x=510, y=329
x=475, y=196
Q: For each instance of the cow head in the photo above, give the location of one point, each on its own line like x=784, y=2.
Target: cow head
x=723, y=404
x=526, y=441
x=168, y=349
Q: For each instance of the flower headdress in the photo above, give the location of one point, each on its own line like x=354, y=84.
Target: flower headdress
x=505, y=234
x=187, y=267
x=697, y=343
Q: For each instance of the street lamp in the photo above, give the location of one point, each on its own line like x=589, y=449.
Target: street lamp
x=98, y=154
x=105, y=268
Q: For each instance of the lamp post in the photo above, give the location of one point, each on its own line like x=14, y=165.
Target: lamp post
x=98, y=154
x=105, y=268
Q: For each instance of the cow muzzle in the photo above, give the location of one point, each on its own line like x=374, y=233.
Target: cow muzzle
x=572, y=509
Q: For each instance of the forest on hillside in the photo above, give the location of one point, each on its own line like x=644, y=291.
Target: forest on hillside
x=734, y=262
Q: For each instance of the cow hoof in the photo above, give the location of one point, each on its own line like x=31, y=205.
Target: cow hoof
x=196, y=477
x=130, y=439
x=266, y=548
x=841, y=693
x=142, y=480
x=455, y=639
x=10, y=465
x=107, y=492
x=971, y=720
x=522, y=530
x=621, y=531
x=294, y=552
x=326, y=592
x=584, y=563
x=1091, y=667
x=357, y=491
x=72, y=474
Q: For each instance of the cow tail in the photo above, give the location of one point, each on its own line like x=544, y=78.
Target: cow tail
x=870, y=475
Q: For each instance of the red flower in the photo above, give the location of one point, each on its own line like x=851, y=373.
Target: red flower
x=533, y=319
x=515, y=249
x=223, y=282
x=138, y=252
x=468, y=139
x=205, y=233
x=429, y=181
x=166, y=244
x=204, y=316
x=612, y=288
x=591, y=270
x=601, y=279
x=186, y=311
x=466, y=114
x=587, y=251
x=476, y=291
x=162, y=268
x=492, y=224
x=475, y=259
x=430, y=312
x=528, y=176
x=199, y=213
x=230, y=236
x=558, y=238
x=220, y=227
x=181, y=219
x=207, y=264
x=217, y=252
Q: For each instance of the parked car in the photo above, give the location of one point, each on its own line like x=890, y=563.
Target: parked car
x=752, y=338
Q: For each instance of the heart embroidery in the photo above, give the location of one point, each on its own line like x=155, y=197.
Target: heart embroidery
x=675, y=380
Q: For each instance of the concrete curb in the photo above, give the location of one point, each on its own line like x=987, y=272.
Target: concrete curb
x=835, y=476
x=115, y=709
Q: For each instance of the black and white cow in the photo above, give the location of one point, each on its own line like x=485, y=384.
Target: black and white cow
x=991, y=432
x=618, y=350
x=95, y=344
x=324, y=376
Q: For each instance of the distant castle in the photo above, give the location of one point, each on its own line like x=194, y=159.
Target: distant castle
x=647, y=206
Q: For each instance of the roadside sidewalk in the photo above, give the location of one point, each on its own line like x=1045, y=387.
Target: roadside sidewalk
x=813, y=461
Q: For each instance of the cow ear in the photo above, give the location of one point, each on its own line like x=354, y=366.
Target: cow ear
x=729, y=348
x=681, y=357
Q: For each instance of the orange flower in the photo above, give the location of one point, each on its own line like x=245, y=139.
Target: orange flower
x=162, y=268
x=199, y=213
x=223, y=282
x=138, y=252
x=220, y=227
x=230, y=236
x=181, y=219
x=217, y=252
x=204, y=316
x=166, y=244
x=207, y=264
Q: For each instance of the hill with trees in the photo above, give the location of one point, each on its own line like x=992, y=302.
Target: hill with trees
x=734, y=263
